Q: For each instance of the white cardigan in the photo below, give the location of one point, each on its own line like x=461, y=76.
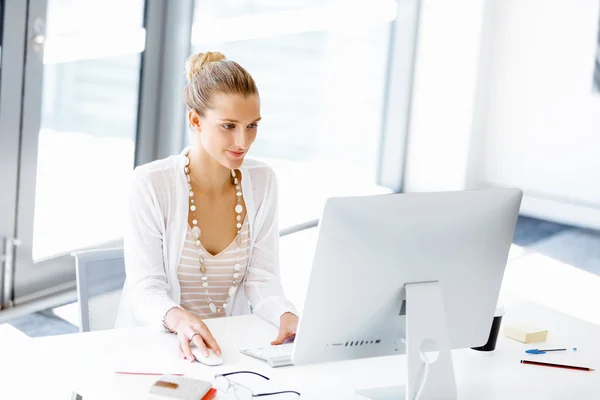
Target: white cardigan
x=155, y=235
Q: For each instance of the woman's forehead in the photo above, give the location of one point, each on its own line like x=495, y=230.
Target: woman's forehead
x=236, y=106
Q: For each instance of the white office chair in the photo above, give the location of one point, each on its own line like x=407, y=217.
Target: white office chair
x=100, y=280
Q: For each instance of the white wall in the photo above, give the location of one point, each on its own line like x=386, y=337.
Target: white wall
x=520, y=106
x=543, y=121
x=444, y=89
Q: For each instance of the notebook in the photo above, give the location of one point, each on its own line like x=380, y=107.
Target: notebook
x=171, y=387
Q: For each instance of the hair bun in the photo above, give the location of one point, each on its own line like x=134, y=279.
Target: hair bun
x=196, y=62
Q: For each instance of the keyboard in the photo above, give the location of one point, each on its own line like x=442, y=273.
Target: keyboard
x=275, y=356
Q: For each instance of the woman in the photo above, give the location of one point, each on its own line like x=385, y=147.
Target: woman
x=204, y=223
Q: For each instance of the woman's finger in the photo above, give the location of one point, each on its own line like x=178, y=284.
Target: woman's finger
x=210, y=341
x=280, y=337
x=283, y=337
x=199, y=342
x=290, y=338
x=185, y=347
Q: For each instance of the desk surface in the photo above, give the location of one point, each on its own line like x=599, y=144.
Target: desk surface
x=53, y=366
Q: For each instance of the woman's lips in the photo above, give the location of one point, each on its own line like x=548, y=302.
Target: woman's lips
x=236, y=154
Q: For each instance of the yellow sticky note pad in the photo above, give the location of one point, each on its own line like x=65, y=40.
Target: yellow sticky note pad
x=525, y=333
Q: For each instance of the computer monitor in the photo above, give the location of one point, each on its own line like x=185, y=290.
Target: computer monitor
x=407, y=273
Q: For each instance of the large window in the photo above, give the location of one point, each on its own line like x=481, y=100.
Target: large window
x=88, y=125
x=95, y=87
x=320, y=67
x=1, y=30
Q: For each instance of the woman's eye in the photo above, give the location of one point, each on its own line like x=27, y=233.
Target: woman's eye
x=253, y=126
x=228, y=126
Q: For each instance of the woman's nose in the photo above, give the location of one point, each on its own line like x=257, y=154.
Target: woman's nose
x=241, y=140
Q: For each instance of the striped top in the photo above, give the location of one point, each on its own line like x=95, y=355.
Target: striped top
x=219, y=271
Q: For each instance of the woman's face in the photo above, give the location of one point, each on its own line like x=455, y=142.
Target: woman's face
x=229, y=128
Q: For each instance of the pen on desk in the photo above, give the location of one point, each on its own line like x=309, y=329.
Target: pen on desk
x=543, y=351
x=146, y=373
x=545, y=364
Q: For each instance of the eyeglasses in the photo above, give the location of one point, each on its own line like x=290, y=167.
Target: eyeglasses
x=240, y=391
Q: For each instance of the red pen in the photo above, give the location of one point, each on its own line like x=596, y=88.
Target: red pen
x=146, y=373
x=545, y=364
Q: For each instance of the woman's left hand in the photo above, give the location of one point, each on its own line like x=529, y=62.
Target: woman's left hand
x=287, y=328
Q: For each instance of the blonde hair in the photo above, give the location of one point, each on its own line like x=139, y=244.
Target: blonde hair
x=211, y=73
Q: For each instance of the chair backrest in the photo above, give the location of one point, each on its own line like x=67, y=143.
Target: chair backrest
x=100, y=280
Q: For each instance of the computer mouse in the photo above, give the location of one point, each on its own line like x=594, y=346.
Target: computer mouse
x=212, y=360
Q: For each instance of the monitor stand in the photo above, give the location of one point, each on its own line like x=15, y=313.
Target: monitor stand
x=425, y=326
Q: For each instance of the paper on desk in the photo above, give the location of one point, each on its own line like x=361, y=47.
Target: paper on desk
x=146, y=357
x=129, y=366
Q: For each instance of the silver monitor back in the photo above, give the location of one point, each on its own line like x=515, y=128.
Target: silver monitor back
x=369, y=247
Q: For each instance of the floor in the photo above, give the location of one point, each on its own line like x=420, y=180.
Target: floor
x=570, y=245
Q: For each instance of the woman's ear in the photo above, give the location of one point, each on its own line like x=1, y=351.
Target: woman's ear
x=194, y=120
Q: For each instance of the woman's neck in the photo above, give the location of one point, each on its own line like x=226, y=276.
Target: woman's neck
x=208, y=175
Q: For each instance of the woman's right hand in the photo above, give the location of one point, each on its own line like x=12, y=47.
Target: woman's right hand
x=186, y=325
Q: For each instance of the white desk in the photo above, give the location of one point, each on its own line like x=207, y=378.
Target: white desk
x=86, y=362
x=12, y=341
